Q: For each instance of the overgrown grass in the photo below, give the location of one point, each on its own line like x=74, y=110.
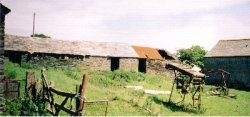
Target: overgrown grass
x=110, y=85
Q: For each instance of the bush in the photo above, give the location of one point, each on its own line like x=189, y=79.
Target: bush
x=11, y=73
x=11, y=69
x=13, y=107
x=24, y=107
x=40, y=35
x=194, y=55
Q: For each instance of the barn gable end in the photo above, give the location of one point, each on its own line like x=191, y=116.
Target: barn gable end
x=151, y=61
x=232, y=56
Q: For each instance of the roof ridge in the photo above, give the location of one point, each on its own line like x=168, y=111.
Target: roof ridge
x=144, y=46
x=235, y=39
x=57, y=39
x=236, y=47
x=31, y=45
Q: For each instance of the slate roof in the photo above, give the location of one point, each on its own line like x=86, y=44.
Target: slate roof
x=227, y=48
x=147, y=52
x=41, y=45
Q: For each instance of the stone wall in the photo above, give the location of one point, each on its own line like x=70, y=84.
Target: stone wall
x=95, y=63
x=239, y=68
x=154, y=67
x=60, y=61
x=48, y=61
x=1, y=44
x=129, y=64
x=91, y=62
x=3, y=11
x=157, y=67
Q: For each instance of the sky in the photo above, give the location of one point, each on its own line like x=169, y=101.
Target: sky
x=167, y=24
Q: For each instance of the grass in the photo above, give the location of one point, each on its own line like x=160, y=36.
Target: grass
x=128, y=102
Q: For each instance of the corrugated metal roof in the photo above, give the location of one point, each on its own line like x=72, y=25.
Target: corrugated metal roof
x=41, y=45
x=147, y=52
x=226, y=48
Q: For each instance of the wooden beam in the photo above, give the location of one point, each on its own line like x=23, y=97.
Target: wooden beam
x=65, y=109
x=62, y=105
x=96, y=101
x=185, y=70
x=61, y=93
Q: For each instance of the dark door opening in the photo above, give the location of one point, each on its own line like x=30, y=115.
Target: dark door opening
x=14, y=57
x=114, y=63
x=142, y=65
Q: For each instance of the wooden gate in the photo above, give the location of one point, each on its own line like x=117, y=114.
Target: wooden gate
x=49, y=92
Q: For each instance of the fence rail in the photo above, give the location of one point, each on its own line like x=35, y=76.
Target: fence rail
x=62, y=93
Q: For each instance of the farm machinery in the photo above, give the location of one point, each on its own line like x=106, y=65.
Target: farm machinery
x=189, y=82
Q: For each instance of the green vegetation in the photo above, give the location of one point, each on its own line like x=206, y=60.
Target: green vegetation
x=40, y=36
x=193, y=55
x=24, y=107
x=123, y=101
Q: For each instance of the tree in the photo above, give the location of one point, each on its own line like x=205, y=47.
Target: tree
x=194, y=55
x=40, y=35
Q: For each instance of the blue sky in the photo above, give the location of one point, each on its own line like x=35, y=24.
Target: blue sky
x=169, y=24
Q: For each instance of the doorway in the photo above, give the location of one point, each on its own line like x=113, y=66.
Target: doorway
x=142, y=65
x=115, y=63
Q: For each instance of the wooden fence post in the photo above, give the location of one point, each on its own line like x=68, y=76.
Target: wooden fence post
x=31, y=84
x=80, y=98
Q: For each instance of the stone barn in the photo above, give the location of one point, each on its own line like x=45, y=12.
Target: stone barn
x=232, y=56
x=152, y=60
x=86, y=54
x=3, y=11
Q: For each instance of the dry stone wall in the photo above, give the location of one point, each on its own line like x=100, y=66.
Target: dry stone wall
x=3, y=11
x=47, y=61
x=129, y=64
x=92, y=63
x=157, y=67
x=154, y=67
x=1, y=44
x=95, y=63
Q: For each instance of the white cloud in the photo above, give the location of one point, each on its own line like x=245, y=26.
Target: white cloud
x=169, y=24
x=116, y=8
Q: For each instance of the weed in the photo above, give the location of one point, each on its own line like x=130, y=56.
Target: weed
x=115, y=98
x=128, y=76
x=11, y=73
x=125, y=101
x=72, y=73
x=13, y=107
x=24, y=107
x=27, y=65
x=148, y=103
